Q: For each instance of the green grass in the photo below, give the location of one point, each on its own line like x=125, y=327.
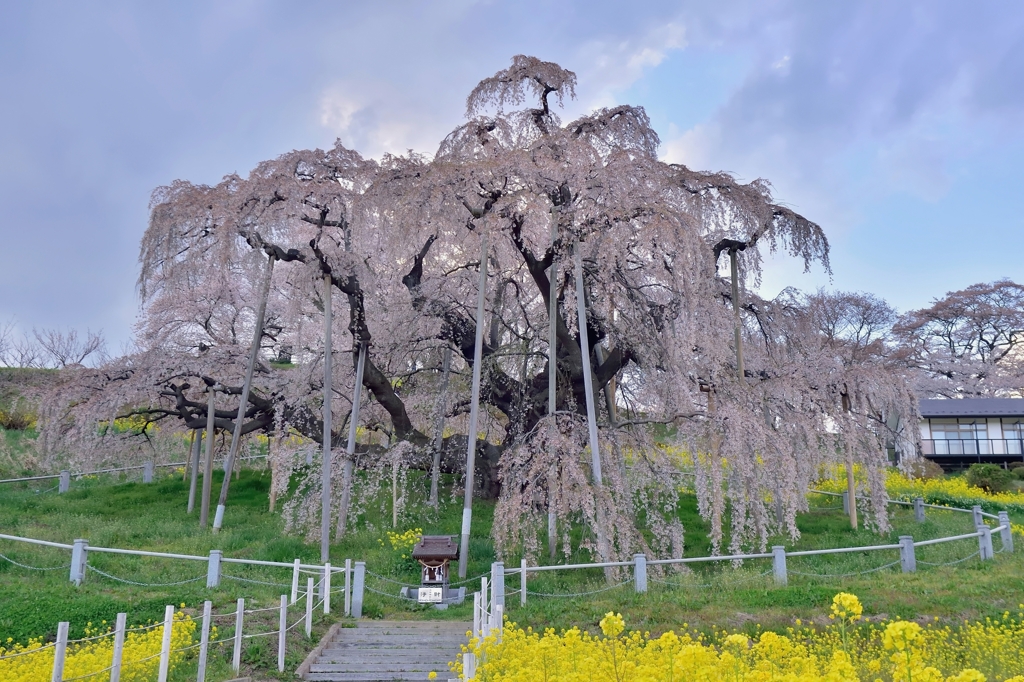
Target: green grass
x=117, y=513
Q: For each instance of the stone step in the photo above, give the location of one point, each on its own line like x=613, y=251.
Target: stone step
x=383, y=666
x=373, y=677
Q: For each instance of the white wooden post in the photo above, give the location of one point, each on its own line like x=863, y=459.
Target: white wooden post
x=295, y=581
x=165, y=645
x=327, y=587
x=147, y=472
x=919, y=510
x=236, y=656
x=846, y=502
x=118, y=654
x=358, y=580
x=204, y=641
x=484, y=603
x=522, y=582
x=79, y=557
x=640, y=572
x=310, y=596
x=348, y=587
x=779, y=564
x=979, y=520
x=498, y=620
x=59, y=651
x=282, y=631
x=213, y=568
x=476, y=614
x=469, y=665
x=498, y=583
x=65, y=482
x=1006, y=534
x=908, y=560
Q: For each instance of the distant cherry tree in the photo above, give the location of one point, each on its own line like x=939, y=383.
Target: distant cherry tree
x=517, y=192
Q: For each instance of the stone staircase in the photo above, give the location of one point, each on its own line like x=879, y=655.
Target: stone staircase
x=382, y=651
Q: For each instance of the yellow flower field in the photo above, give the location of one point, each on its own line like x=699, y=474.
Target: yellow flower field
x=140, y=662
x=847, y=650
x=950, y=492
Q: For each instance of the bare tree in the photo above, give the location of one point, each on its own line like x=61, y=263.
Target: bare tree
x=65, y=348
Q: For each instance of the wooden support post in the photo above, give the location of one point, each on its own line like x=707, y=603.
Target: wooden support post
x=213, y=568
x=60, y=651
x=204, y=503
x=640, y=573
x=474, y=409
x=522, y=582
x=79, y=559
x=236, y=434
x=282, y=632
x=908, y=559
x=310, y=596
x=588, y=383
x=165, y=644
x=325, y=467
x=236, y=654
x=327, y=588
x=118, y=654
x=348, y=587
x=147, y=472
x=779, y=564
x=553, y=391
x=204, y=641
x=442, y=406
x=1006, y=534
x=919, y=510
x=64, y=484
x=295, y=580
x=350, y=449
x=358, y=581
x=197, y=444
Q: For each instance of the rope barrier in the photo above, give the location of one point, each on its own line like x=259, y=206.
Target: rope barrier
x=251, y=580
x=35, y=568
x=132, y=582
x=950, y=563
x=844, y=575
x=580, y=594
x=26, y=653
x=716, y=584
x=87, y=675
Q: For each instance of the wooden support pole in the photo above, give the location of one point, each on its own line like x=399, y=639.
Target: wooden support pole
x=350, y=448
x=204, y=503
x=197, y=444
x=325, y=467
x=553, y=392
x=474, y=409
x=236, y=654
x=118, y=654
x=603, y=549
x=282, y=632
x=236, y=434
x=165, y=644
x=442, y=406
x=204, y=641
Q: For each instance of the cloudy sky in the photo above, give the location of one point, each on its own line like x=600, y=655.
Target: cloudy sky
x=895, y=125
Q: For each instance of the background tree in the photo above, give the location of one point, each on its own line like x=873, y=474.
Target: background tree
x=967, y=342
